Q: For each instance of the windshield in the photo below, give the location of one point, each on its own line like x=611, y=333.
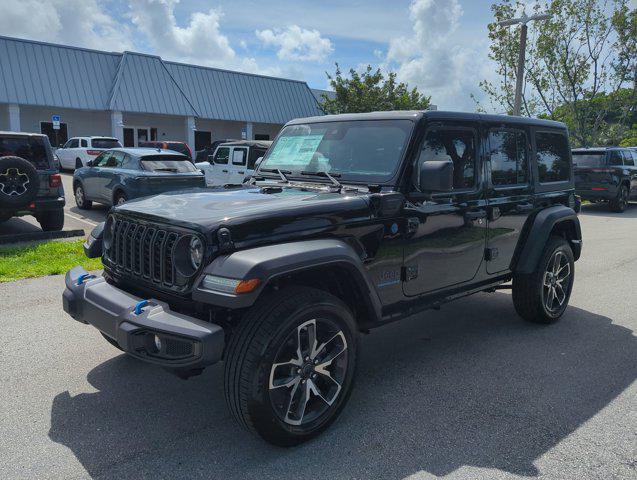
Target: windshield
x=364, y=150
x=29, y=148
x=106, y=143
x=168, y=163
x=589, y=159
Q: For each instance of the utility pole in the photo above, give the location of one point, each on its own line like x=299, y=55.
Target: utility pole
x=523, y=20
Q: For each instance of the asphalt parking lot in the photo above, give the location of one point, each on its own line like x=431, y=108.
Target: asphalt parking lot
x=466, y=392
x=74, y=217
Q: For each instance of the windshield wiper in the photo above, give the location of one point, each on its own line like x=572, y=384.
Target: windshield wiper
x=326, y=175
x=279, y=171
x=166, y=169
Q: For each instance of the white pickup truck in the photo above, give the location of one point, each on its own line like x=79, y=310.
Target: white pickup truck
x=233, y=162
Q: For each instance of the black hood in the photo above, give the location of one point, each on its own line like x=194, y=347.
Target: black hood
x=251, y=212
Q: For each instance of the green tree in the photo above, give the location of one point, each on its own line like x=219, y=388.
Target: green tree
x=370, y=91
x=577, y=63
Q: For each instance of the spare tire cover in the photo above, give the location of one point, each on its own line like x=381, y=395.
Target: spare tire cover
x=19, y=182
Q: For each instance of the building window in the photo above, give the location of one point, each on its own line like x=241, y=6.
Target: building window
x=202, y=139
x=57, y=138
x=261, y=136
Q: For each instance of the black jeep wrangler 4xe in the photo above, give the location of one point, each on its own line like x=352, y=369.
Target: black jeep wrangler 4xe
x=350, y=222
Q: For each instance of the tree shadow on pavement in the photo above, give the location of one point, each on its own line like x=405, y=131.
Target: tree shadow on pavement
x=468, y=385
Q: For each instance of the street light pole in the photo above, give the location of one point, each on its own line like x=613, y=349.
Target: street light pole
x=523, y=20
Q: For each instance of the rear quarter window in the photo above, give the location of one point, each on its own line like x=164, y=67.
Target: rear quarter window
x=32, y=149
x=553, y=159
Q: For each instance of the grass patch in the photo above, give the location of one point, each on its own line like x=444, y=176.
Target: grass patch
x=49, y=258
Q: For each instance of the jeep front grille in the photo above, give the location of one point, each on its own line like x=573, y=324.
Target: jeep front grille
x=146, y=252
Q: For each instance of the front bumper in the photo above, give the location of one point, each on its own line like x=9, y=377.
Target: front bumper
x=184, y=342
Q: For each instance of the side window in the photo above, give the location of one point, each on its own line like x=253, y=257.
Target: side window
x=255, y=154
x=552, y=157
x=101, y=160
x=508, y=157
x=73, y=143
x=83, y=143
x=239, y=156
x=628, y=158
x=615, y=158
x=114, y=160
x=129, y=163
x=221, y=157
x=453, y=144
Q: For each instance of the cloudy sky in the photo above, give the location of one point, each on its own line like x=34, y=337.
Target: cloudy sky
x=440, y=46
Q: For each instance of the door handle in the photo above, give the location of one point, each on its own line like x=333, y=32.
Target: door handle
x=475, y=215
x=241, y=173
x=524, y=207
x=224, y=171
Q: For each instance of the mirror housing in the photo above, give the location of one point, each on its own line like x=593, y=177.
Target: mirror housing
x=211, y=159
x=436, y=177
x=89, y=163
x=257, y=163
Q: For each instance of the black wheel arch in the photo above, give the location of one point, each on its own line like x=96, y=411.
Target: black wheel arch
x=556, y=220
x=328, y=264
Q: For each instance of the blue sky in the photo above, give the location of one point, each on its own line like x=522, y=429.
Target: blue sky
x=440, y=46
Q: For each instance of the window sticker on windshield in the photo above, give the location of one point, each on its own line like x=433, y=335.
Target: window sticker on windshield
x=295, y=150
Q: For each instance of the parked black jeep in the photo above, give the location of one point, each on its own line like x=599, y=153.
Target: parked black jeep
x=606, y=174
x=30, y=183
x=350, y=222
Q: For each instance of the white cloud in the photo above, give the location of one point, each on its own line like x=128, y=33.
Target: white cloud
x=82, y=23
x=433, y=59
x=297, y=44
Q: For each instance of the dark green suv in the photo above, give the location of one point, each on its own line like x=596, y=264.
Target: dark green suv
x=30, y=183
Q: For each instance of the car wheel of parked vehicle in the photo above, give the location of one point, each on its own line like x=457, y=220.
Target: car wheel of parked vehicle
x=290, y=365
x=19, y=182
x=620, y=203
x=78, y=163
x=543, y=295
x=120, y=197
x=52, y=220
x=80, y=198
x=112, y=342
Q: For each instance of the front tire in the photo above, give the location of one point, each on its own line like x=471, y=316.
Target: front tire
x=80, y=198
x=290, y=365
x=542, y=296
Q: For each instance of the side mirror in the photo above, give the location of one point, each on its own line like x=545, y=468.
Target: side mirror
x=89, y=163
x=211, y=159
x=258, y=162
x=436, y=176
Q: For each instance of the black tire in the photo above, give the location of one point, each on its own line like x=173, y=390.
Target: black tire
x=80, y=197
x=52, y=220
x=119, y=198
x=620, y=202
x=78, y=163
x=264, y=337
x=19, y=182
x=112, y=342
x=531, y=294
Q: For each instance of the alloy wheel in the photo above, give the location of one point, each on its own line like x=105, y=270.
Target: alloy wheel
x=13, y=182
x=556, y=282
x=308, y=371
x=79, y=196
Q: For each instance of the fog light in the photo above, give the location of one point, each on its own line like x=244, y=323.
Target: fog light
x=157, y=341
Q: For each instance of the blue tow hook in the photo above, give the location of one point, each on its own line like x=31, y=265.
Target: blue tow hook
x=139, y=308
x=82, y=278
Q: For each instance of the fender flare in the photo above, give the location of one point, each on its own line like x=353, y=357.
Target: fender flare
x=270, y=262
x=539, y=232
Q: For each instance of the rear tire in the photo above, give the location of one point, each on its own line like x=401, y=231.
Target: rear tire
x=542, y=296
x=80, y=197
x=619, y=203
x=78, y=163
x=290, y=365
x=51, y=221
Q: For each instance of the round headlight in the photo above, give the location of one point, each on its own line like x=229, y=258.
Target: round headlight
x=196, y=252
x=109, y=232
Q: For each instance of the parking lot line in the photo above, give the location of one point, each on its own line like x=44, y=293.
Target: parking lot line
x=80, y=219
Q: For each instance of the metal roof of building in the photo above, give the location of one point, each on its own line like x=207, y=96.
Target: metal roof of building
x=44, y=74
x=226, y=95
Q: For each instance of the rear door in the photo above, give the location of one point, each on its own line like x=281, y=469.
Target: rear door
x=510, y=192
x=108, y=176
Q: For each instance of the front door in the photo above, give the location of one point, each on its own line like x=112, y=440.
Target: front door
x=237, y=171
x=218, y=173
x=511, y=195
x=447, y=233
